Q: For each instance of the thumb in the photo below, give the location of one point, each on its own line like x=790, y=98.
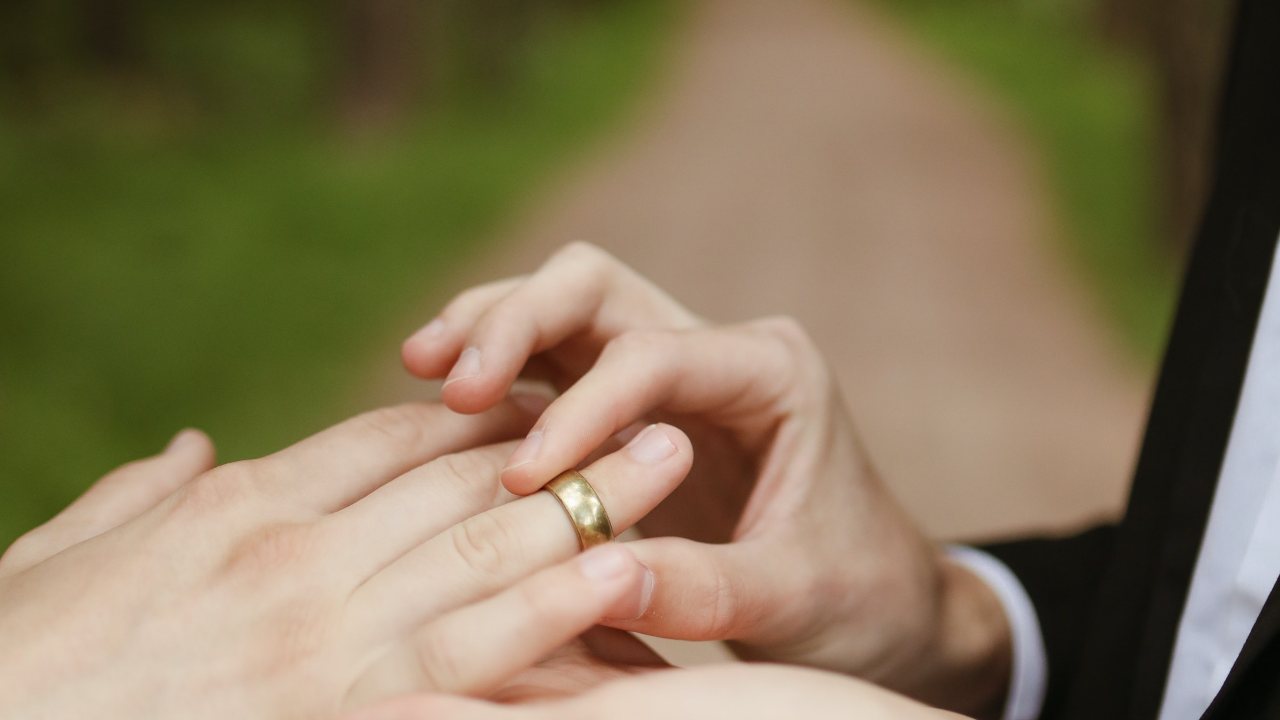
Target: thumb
x=130, y=490
x=710, y=592
x=116, y=498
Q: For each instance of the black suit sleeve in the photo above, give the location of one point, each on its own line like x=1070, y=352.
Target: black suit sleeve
x=1062, y=577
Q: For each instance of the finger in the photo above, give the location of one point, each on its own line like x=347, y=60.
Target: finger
x=116, y=498
x=337, y=466
x=492, y=550
x=432, y=350
x=131, y=489
x=724, y=373
x=476, y=648
x=418, y=505
x=710, y=592
x=581, y=290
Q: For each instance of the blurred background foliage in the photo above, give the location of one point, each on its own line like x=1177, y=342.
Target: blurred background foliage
x=220, y=214
x=216, y=214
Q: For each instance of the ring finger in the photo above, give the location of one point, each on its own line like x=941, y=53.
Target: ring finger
x=492, y=550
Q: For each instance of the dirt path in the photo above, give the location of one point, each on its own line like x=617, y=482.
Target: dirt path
x=803, y=157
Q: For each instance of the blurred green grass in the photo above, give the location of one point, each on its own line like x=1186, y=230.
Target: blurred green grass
x=1089, y=111
x=240, y=277
x=244, y=276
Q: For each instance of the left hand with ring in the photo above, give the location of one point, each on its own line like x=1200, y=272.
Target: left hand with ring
x=377, y=558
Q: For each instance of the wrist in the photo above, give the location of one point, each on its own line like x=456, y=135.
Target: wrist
x=942, y=638
x=968, y=662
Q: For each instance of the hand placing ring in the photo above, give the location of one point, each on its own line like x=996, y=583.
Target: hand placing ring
x=586, y=511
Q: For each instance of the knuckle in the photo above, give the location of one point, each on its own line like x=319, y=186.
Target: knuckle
x=271, y=548
x=591, y=265
x=300, y=630
x=464, y=299
x=652, y=351
x=799, y=353
x=723, y=605
x=403, y=426
x=473, y=471
x=479, y=295
x=640, y=344
x=288, y=633
x=439, y=662
x=788, y=330
x=484, y=543
x=460, y=466
x=580, y=253
x=224, y=486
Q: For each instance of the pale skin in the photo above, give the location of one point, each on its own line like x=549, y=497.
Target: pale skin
x=783, y=541
x=609, y=673
x=378, y=558
x=742, y=692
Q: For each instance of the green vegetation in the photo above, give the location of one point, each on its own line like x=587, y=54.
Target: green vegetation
x=210, y=251
x=159, y=269
x=1089, y=110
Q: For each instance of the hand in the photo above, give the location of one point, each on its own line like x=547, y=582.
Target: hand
x=743, y=692
x=816, y=564
x=340, y=571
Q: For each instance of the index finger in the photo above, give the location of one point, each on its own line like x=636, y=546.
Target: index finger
x=737, y=376
x=488, y=337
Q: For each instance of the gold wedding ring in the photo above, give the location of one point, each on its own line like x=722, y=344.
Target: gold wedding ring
x=586, y=512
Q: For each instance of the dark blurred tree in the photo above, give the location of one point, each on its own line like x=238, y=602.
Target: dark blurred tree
x=17, y=59
x=372, y=63
x=1185, y=42
x=51, y=49
x=381, y=61
x=495, y=32
x=111, y=34
x=396, y=54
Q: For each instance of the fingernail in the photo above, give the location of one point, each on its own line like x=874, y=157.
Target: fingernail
x=606, y=563
x=468, y=366
x=628, y=433
x=527, y=451
x=430, y=331
x=636, y=605
x=646, y=593
x=651, y=446
x=183, y=439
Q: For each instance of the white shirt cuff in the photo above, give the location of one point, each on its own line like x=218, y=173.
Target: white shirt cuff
x=1030, y=664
